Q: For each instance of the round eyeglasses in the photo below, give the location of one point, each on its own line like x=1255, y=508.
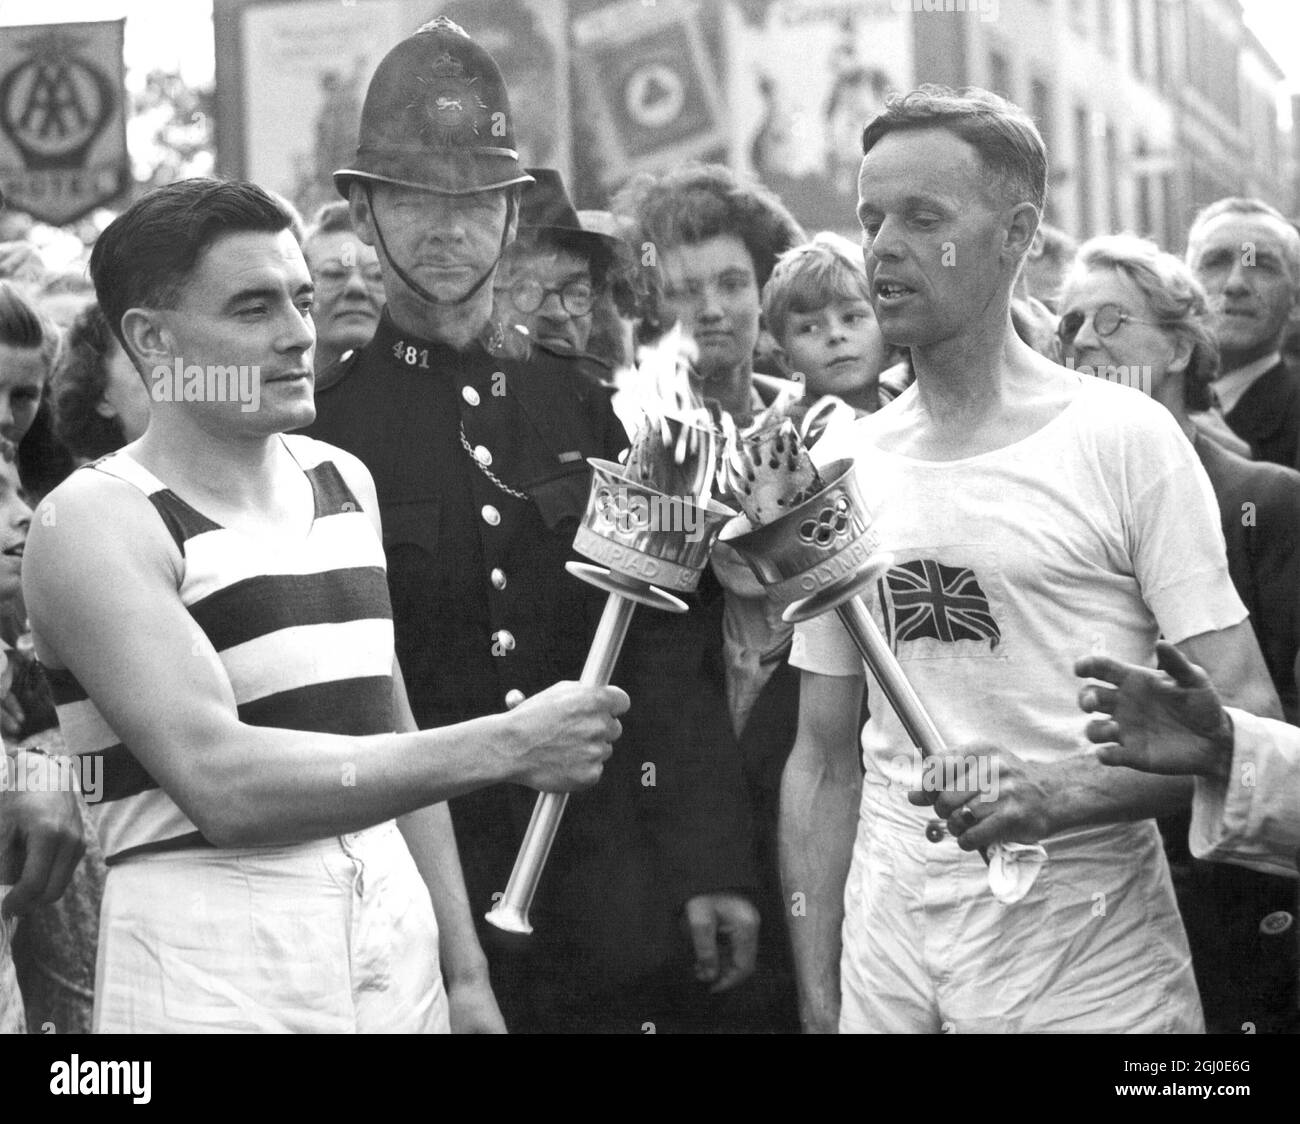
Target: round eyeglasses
x=1106, y=321
x=528, y=295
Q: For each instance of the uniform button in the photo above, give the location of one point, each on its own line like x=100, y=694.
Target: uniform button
x=498, y=577
x=482, y=455
x=514, y=698
x=491, y=516
x=470, y=395
x=1275, y=923
x=503, y=639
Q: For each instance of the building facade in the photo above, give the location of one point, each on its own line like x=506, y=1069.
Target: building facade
x=1150, y=108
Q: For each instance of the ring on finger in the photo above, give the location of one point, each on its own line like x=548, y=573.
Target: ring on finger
x=966, y=816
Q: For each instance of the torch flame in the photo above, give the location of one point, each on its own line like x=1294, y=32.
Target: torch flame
x=678, y=445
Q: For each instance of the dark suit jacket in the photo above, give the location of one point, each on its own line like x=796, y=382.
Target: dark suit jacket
x=482, y=605
x=1259, y=508
x=1268, y=416
x=1245, y=969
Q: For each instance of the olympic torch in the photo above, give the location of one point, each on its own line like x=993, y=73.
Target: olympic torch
x=807, y=536
x=812, y=547
x=649, y=524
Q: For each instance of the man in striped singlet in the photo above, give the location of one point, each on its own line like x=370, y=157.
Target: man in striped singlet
x=211, y=603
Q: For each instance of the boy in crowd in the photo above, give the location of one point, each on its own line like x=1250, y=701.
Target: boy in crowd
x=817, y=306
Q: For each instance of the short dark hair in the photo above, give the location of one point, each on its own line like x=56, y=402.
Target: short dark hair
x=145, y=255
x=79, y=382
x=697, y=202
x=1005, y=136
x=23, y=327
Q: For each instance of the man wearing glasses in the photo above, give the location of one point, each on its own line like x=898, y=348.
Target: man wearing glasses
x=349, y=288
x=552, y=274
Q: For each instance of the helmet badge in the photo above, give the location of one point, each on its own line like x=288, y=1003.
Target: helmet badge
x=454, y=109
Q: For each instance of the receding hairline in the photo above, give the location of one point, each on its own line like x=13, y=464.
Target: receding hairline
x=1290, y=237
x=982, y=173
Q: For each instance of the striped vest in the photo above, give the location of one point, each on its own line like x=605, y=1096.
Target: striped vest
x=305, y=634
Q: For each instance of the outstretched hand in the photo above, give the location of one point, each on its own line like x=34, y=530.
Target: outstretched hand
x=1168, y=721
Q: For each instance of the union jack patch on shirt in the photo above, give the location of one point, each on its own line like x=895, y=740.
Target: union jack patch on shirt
x=925, y=599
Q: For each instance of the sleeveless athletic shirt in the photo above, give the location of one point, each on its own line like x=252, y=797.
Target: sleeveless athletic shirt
x=305, y=633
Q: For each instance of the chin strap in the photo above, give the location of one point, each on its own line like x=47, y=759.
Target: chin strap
x=418, y=289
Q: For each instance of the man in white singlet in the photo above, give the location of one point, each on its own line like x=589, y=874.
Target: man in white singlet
x=212, y=606
x=1033, y=514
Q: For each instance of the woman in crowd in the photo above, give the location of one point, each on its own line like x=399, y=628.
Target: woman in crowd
x=1134, y=314
x=54, y=947
x=349, y=286
x=100, y=401
x=715, y=241
x=29, y=346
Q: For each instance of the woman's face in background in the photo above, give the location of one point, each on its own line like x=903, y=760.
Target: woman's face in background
x=1134, y=345
x=15, y=519
x=22, y=381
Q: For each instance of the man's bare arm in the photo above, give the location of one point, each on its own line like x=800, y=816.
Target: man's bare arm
x=1232, y=659
x=820, y=791
x=101, y=579
x=1035, y=800
x=1088, y=792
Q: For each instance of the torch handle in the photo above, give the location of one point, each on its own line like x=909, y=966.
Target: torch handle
x=885, y=667
x=905, y=701
x=511, y=912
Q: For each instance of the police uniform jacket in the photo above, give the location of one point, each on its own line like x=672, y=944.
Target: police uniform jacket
x=479, y=461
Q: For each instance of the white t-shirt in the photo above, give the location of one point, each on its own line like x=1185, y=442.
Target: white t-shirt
x=1098, y=533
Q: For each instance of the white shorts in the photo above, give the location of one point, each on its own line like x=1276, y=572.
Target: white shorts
x=1097, y=945
x=336, y=936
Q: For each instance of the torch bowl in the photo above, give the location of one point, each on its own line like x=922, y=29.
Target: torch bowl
x=645, y=536
x=825, y=545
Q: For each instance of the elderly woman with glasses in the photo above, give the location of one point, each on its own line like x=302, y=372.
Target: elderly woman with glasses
x=349, y=287
x=1133, y=314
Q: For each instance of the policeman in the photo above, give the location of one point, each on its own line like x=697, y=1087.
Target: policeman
x=478, y=451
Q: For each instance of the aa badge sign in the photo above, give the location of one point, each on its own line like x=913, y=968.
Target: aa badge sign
x=62, y=124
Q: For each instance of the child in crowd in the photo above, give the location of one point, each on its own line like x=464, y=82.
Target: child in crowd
x=817, y=306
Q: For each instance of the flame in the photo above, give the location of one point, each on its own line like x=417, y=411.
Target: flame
x=678, y=445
